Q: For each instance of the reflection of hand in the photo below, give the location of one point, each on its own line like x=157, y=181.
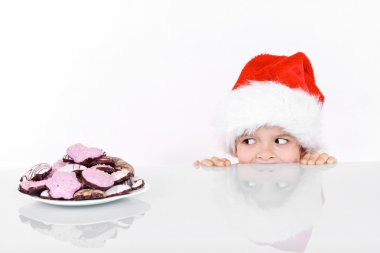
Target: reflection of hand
x=213, y=162
x=317, y=159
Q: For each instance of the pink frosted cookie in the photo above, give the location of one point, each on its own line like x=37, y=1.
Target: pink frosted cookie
x=63, y=185
x=80, y=153
x=97, y=179
x=37, y=172
x=117, y=190
x=58, y=164
x=33, y=187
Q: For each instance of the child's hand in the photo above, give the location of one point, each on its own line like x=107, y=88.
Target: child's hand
x=317, y=159
x=213, y=161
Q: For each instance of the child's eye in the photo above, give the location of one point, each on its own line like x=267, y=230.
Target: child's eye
x=249, y=141
x=281, y=141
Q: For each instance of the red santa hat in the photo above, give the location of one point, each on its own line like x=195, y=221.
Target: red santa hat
x=274, y=91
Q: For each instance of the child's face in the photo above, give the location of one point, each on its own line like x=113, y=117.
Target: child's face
x=268, y=144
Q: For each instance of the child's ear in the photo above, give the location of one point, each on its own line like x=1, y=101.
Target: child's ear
x=234, y=150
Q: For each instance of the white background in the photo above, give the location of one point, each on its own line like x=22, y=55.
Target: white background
x=140, y=79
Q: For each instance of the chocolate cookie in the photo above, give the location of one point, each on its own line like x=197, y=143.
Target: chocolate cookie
x=106, y=160
x=120, y=176
x=120, y=164
x=67, y=159
x=136, y=183
x=117, y=190
x=37, y=172
x=106, y=168
x=89, y=194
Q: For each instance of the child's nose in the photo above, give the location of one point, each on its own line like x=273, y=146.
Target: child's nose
x=265, y=154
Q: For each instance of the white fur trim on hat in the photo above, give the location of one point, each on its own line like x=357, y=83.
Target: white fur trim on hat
x=270, y=104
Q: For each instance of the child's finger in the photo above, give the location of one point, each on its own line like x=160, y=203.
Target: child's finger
x=305, y=158
x=217, y=161
x=197, y=164
x=226, y=162
x=207, y=163
x=322, y=159
x=313, y=158
x=331, y=160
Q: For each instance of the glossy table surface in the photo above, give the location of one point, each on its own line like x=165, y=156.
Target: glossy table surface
x=245, y=208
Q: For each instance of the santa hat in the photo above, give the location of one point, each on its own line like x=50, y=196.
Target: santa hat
x=274, y=91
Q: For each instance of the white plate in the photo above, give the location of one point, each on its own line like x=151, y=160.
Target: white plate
x=88, y=202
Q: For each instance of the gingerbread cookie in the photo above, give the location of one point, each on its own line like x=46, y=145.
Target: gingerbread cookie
x=89, y=194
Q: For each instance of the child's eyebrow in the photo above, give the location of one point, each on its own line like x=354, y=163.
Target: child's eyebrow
x=283, y=135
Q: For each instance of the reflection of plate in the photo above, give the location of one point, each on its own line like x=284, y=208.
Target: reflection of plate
x=85, y=214
x=88, y=202
x=85, y=226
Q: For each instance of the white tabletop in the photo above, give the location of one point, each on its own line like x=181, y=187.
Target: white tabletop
x=251, y=208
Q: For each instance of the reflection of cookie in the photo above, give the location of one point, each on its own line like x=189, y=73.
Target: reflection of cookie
x=63, y=185
x=120, y=176
x=89, y=194
x=117, y=190
x=97, y=179
x=32, y=187
x=37, y=172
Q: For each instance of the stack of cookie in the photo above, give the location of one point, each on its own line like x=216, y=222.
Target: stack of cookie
x=83, y=173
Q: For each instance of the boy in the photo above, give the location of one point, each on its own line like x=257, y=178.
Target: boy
x=273, y=114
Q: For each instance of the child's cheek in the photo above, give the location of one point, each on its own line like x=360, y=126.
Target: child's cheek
x=291, y=154
x=244, y=154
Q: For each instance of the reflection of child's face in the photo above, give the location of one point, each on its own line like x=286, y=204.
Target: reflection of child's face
x=268, y=144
